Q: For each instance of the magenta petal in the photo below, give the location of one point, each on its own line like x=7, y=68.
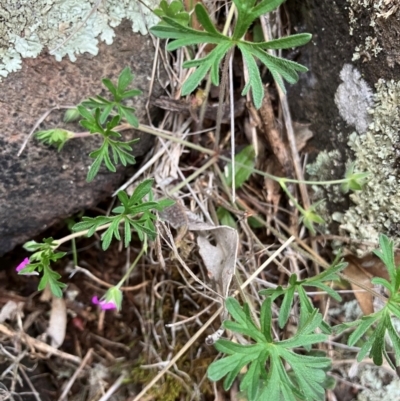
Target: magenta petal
x=22, y=265
x=95, y=300
x=107, y=305
x=103, y=304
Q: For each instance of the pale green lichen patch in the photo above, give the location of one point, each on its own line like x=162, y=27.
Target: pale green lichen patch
x=374, y=379
x=27, y=27
x=327, y=166
x=377, y=207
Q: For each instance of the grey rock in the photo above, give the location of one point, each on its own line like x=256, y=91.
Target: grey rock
x=43, y=186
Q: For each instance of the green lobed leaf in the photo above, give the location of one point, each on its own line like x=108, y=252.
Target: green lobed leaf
x=251, y=380
x=285, y=43
x=266, y=319
x=286, y=306
x=106, y=112
x=210, y=62
x=244, y=163
x=218, y=369
x=124, y=79
x=236, y=311
x=123, y=198
x=246, y=330
x=128, y=114
x=229, y=347
x=386, y=254
x=394, y=337
x=225, y=218
x=141, y=191
x=143, y=207
x=247, y=14
x=365, y=323
x=54, y=137
x=163, y=204
x=110, y=86
x=383, y=282
x=255, y=83
x=378, y=344
x=128, y=235
x=173, y=10
x=94, y=168
x=131, y=93
x=71, y=115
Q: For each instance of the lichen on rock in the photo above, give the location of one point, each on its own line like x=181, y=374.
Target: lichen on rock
x=27, y=27
x=354, y=98
x=384, y=20
x=374, y=379
x=376, y=208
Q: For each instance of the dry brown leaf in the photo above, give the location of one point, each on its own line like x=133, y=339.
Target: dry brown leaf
x=58, y=322
x=220, y=260
x=302, y=134
x=363, y=270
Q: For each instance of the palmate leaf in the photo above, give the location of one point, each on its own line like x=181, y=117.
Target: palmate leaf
x=376, y=326
x=44, y=253
x=119, y=152
x=266, y=377
x=54, y=137
x=173, y=10
x=297, y=286
x=51, y=278
x=172, y=28
x=248, y=13
x=386, y=254
x=97, y=112
x=134, y=213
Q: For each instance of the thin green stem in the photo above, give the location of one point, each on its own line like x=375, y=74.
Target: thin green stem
x=133, y=265
x=74, y=252
x=291, y=197
x=166, y=135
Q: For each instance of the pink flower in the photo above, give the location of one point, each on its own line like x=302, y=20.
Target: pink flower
x=103, y=304
x=22, y=266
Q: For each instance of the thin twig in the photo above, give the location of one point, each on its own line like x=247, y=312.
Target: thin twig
x=75, y=375
x=181, y=352
x=105, y=284
x=267, y=262
x=113, y=388
x=39, y=345
x=34, y=391
x=37, y=123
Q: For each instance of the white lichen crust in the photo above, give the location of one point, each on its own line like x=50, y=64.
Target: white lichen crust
x=354, y=98
x=27, y=27
x=374, y=379
x=377, y=207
